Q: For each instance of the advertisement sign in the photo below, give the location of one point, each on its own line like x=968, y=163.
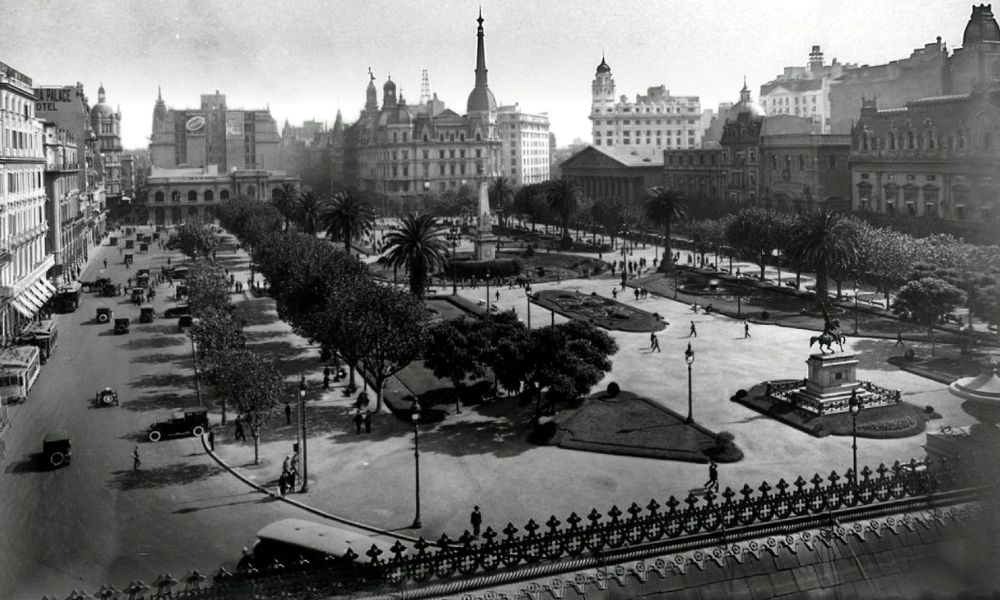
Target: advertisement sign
x=48, y=98
x=234, y=124
x=195, y=125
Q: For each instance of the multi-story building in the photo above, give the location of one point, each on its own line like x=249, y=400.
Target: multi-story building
x=619, y=173
x=656, y=120
x=128, y=175
x=106, y=125
x=698, y=174
x=804, y=91
x=741, y=151
x=24, y=262
x=806, y=171
x=213, y=134
x=524, y=145
x=405, y=152
x=65, y=210
x=174, y=195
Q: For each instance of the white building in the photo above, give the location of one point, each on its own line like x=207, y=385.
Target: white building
x=656, y=120
x=524, y=139
x=803, y=91
x=23, y=260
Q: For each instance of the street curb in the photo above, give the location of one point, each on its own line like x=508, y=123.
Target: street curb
x=303, y=506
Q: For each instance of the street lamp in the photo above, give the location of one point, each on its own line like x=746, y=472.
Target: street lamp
x=855, y=307
x=487, y=292
x=415, y=417
x=302, y=418
x=777, y=254
x=453, y=237
x=527, y=296
x=676, y=275
x=854, y=405
x=689, y=359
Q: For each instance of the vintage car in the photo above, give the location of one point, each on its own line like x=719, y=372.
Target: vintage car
x=106, y=397
x=178, y=310
x=56, y=449
x=108, y=290
x=138, y=295
x=188, y=422
x=123, y=325
x=184, y=322
x=104, y=314
x=147, y=314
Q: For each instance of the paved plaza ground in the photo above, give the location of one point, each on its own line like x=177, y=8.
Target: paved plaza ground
x=481, y=457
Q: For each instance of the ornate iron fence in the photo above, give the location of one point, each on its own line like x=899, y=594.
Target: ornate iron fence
x=731, y=514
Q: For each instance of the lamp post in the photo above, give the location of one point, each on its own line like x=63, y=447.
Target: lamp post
x=676, y=275
x=453, y=237
x=689, y=359
x=415, y=417
x=499, y=228
x=854, y=405
x=527, y=297
x=777, y=254
x=855, y=307
x=302, y=418
x=487, y=292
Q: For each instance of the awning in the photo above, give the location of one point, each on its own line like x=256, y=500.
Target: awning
x=20, y=303
x=48, y=290
x=32, y=298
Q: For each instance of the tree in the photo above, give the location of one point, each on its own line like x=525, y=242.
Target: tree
x=563, y=196
x=194, y=239
x=501, y=196
x=927, y=300
x=285, y=201
x=347, y=217
x=307, y=210
x=253, y=386
x=216, y=333
x=392, y=328
x=417, y=243
x=754, y=233
x=828, y=243
x=207, y=288
x=451, y=353
x=663, y=208
x=885, y=257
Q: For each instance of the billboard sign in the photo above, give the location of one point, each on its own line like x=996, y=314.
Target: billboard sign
x=195, y=125
x=234, y=124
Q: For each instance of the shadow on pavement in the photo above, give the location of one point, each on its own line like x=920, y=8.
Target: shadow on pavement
x=256, y=499
x=161, y=400
x=31, y=463
x=289, y=358
x=156, y=477
x=181, y=378
x=159, y=341
x=163, y=358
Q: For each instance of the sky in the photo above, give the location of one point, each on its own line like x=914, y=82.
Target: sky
x=306, y=59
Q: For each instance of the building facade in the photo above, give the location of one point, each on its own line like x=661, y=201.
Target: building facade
x=213, y=134
x=65, y=209
x=806, y=171
x=24, y=262
x=804, y=91
x=615, y=173
x=741, y=151
x=656, y=120
x=697, y=174
x=524, y=145
x=405, y=152
x=106, y=125
x=936, y=159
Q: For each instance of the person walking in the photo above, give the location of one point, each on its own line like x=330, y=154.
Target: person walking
x=497, y=295
x=614, y=293
x=358, y=421
x=211, y=440
x=105, y=263
x=694, y=331
x=746, y=330
x=899, y=339
x=476, y=519
x=326, y=377
x=713, y=477
x=288, y=413
x=241, y=435
x=136, y=463
x=654, y=344
x=368, y=421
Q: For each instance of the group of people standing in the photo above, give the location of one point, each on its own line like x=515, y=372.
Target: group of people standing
x=289, y=474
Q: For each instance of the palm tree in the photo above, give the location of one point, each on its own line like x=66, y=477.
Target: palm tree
x=285, y=201
x=563, y=196
x=307, y=209
x=417, y=243
x=826, y=242
x=502, y=198
x=663, y=207
x=346, y=217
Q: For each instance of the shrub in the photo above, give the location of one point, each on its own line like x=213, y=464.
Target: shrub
x=740, y=394
x=820, y=431
x=613, y=389
x=910, y=354
x=529, y=252
x=466, y=269
x=765, y=315
x=543, y=434
x=929, y=409
x=724, y=439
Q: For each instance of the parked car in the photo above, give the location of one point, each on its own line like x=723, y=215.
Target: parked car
x=56, y=448
x=105, y=314
x=147, y=314
x=178, y=310
x=184, y=321
x=189, y=422
x=123, y=325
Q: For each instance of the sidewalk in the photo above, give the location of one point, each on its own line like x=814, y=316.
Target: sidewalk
x=480, y=457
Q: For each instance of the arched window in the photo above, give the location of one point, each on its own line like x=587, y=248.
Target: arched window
x=175, y=196
x=159, y=197
x=461, y=137
x=892, y=141
x=425, y=137
x=911, y=143
x=251, y=191
x=209, y=195
x=479, y=137
x=987, y=141
x=224, y=195
x=192, y=196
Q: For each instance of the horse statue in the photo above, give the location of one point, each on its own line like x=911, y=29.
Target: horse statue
x=831, y=333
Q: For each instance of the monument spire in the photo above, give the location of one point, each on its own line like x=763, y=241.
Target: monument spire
x=480, y=53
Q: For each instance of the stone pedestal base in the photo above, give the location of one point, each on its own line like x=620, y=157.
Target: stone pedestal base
x=485, y=246
x=832, y=380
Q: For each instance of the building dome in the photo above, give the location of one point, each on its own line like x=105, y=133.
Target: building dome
x=481, y=99
x=603, y=67
x=746, y=105
x=982, y=27
x=389, y=86
x=101, y=109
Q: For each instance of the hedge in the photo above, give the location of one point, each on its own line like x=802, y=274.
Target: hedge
x=467, y=269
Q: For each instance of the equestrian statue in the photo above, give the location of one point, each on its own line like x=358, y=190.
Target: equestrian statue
x=831, y=333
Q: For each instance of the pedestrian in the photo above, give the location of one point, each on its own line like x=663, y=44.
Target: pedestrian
x=136, y=463
x=746, y=330
x=286, y=465
x=326, y=378
x=292, y=476
x=713, y=477
x=654, y=343
x=476, y=518
x=636, y=294
x=614, y=293
x=497, y=295
x=211, y=440
x=283, y=483
x=899, y=339
x=105, y=263
x=168, y=261
x=358, y=420
x=368, y=421
x=240, y=434
x=693, y=332
x=288, y=413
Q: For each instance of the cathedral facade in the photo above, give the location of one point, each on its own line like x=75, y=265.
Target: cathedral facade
x=407, y=151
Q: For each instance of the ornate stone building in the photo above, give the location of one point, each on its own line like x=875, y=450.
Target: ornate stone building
x=741, y=151
x=657, y=120
x=106, y=125
x=406, y=151
x=804, y=91
x=620, y=173
x=805, y=171
x=65, y=206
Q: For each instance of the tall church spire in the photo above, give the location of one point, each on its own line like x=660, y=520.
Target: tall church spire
x=480, y=53
x=481, y=99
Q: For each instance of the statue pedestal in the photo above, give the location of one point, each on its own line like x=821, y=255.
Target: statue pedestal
x=832, y=379
x=485, y=246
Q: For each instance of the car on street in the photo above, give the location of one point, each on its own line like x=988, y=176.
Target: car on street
x=105, y=314
x=188, y=422
x=56, y=448
x=178, y=310
x=147, y=314
x=123, y=325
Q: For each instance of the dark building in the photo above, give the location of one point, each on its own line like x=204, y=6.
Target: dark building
x=805, y=171
x=615, y=172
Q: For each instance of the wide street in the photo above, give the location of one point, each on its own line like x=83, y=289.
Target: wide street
x=96, y=521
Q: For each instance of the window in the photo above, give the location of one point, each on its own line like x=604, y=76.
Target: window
x=833, y=162
x=158, y=197
x=802, y=163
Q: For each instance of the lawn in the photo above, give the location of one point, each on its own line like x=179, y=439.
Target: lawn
x=598, y=310
x=894, y=421
x=631, y=425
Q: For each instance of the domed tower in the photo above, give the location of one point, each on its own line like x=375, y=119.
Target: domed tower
x=602, y=96
x=746, y=105
x=371, y=94
x=982, y=27
x=159, y=112
x=482, y=105
x=388, y=94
